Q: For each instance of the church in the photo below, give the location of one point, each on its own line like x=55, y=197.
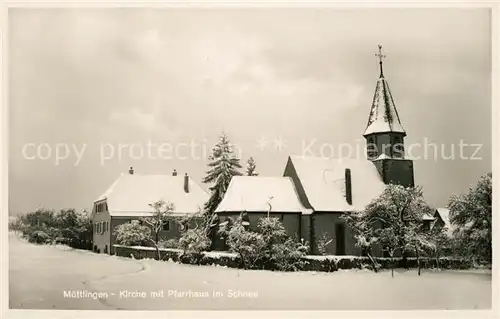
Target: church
x=314, y=192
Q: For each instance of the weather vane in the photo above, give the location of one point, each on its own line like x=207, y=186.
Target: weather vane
x=380, y=57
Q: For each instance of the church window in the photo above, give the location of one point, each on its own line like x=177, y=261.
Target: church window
x=398, y=146
x=371, y=148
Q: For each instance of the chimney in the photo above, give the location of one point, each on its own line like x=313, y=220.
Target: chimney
x=174, y=172
x=186, y=183
x=131, y=171
x=348, y=186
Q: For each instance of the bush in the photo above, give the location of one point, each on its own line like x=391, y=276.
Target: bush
x=288, y=256
x=248, y=244
x=281, y=251
x=272, y=230
x=170, y=243
x=322, y=243
x=68, y=226
x=39, y=237
x=269, y=247
x=193, y=242
x=132, y=234
x=307, y=263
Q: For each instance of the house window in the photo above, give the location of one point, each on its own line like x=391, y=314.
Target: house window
x=102, y=207
x=166, y=225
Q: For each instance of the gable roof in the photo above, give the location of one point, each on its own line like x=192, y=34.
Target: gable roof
x=323, y=181
x=428, y=217
x=444, y=214
x=383, y=114
x=252, y=193
x=130, y=195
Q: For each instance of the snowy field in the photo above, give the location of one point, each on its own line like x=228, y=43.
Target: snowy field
x=56, y=277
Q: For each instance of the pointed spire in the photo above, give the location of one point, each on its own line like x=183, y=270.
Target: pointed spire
x=383, y=114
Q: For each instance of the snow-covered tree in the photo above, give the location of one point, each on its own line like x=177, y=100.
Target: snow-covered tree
x=471, y=215
x=281, y=251
x=132, y=234
x=247, y=244
x=194, y=240
x=222, y=167
x=146, y=230
x=393, y=221
x=269, y=244
x=251, y=167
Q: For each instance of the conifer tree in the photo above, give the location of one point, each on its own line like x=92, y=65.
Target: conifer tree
x=222, y=167
x=251, y=166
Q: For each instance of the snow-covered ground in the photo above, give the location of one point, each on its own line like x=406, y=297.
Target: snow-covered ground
x=39, y=276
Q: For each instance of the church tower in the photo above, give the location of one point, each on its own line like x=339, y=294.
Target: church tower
x=385, y=135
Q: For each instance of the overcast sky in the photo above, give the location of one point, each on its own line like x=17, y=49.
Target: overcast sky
x=300, y=78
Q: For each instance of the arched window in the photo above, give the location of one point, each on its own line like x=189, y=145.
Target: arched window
x=371, y=147
x=398, y=147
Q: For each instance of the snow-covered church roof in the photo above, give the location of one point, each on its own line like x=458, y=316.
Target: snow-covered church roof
x=253, y=193
x=323, y=181
x=383, y=114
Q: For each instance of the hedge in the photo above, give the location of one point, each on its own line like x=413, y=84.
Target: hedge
x=311, y=263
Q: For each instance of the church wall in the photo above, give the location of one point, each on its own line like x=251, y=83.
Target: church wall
x=291, y=221
x=396, y=171
x=305, y=230
x=324, y=223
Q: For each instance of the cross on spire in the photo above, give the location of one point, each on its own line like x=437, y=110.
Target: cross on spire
x=380, y=57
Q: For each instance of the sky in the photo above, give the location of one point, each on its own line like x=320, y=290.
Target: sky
x=93, y=92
